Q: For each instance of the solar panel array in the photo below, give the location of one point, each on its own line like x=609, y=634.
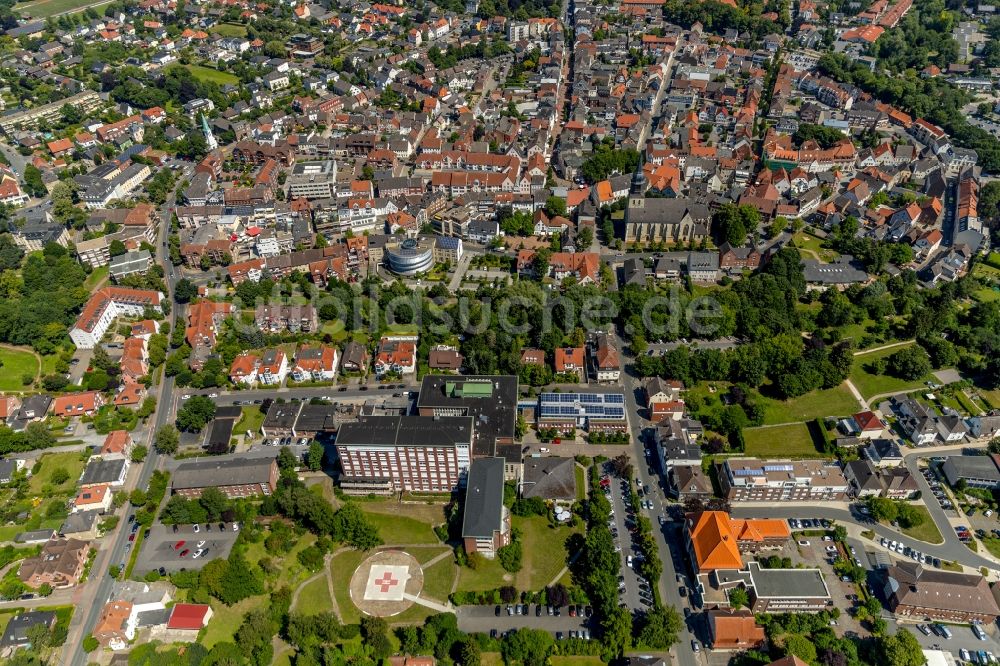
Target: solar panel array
x=580, y=405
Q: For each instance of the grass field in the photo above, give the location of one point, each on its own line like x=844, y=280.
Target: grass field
x=815, y=404
x=70, y=461
x=438, y=579
x=341, y=569
x=581, y=483
x=870, y=384
x=229, y=30
x=14, y=364
x=405, y=523
x=210, y=75
x=314, y=597
x=788, y=441
x=992, y=397
x=576, y=660
x=251, y=419
x=46, y=8
x=226, y=620
x=96, y=277
x=926, y=531
x=810, y=242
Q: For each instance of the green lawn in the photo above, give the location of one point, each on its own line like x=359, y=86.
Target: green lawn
x=576, y=660
x=341, y=569
x=425, y=554
x=992, y=397
x=226, y=620
x=438, y=579
x=96, y=277
x=544, y=557
x=809, y=242
x=46, y=8
x=70, y=461
x=788, y=441
x=314, y=597
x=837, y=401
x=870, y=384
x=209, y=75
x=581, y=483
x=251, y=419
x=14, y=364
x=926, y=531
x=229, y=30
x=405, y=523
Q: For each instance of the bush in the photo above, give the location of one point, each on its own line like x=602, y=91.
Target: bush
x=90, y=644
x=510, y=557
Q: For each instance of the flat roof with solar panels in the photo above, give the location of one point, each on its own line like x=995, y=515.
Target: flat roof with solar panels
x=580, y=406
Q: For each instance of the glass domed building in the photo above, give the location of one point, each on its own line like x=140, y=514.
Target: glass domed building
x=410, y=256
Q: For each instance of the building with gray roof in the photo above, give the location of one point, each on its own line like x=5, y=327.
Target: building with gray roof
x=485, y=519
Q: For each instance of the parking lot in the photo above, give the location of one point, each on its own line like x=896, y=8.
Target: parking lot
x=163, y=548
x=486, y=620
x=962, y=639
x=633, y=590
x=938, y=487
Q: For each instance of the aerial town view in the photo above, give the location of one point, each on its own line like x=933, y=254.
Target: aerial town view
x=499, y=333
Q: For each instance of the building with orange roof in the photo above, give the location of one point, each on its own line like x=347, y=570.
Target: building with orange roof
x=105, y=306
x=60, y=147
x=532, y=357
x=243, y=369
x=77, y=404
x=711, y=542
x=396, y=354
x=570, y=359
x=130, y=394
x=93, y=498
x=112, y=625
x=117, y=444
x=734, y=630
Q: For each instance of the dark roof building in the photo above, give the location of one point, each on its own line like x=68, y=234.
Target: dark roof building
x=16, y=634
x=485, y=520
x=100, y=470
x=235, y=477
x=491, y=401
x=280, y=419
x=912, y=590
x=549, y=478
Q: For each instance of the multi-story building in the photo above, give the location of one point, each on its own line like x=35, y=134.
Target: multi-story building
x=315, y=364
x=106, y=305
x=750, y=479
x=491, y=401
x=28, y=119
x=313, y=180
x=405, y=453
x=607, y=364
x=292, y=318
x=486, y=521
x=235, y=477
x=396, y=354
x=60, y=564
x=916, y=592
x=591, y=411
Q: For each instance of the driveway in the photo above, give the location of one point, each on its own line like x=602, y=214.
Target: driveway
x=160, y=547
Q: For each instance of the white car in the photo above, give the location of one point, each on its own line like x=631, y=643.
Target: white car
x=197, y=528
x=803, y=543
x=198, y=553
x=831, y=549
x=200, y=544
x=628, y=560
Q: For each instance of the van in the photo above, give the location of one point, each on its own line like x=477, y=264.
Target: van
x=543, y=450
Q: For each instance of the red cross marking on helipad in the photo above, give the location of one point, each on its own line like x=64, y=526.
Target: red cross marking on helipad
x=386, y=581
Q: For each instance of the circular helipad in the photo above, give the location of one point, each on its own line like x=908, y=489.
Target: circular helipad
x=386, y=583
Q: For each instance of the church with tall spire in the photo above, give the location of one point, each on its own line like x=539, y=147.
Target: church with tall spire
x=210, y=139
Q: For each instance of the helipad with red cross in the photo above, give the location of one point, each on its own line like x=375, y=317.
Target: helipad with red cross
x=387, y=583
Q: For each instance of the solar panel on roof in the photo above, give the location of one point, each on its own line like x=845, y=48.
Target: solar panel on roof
x=616, y=398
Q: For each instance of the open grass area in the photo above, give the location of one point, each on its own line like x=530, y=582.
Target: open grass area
x=251, y=419
x=837, y=401
x=405, y=523
x=69, y=461
x=787, y=441
x=314, y=597
x=576, y=660
x=870, y=384
x=46, y=8
x=992, y=397
x=926, y=531
x=425, y=554
x=210, y=75
x=229, y=30
x=341, y=569
x=581, y=483
x=491, y=659
x=438, y=579
x=812, y=244
x=15, y=364
x=226, y=620
x=544, y=551
x=97, y=276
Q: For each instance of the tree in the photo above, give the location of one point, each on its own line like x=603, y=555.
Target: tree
x=33, y=183
x=139, y=453
x=59, y=476
x=555, y=206
x=214, y=502
x=472, y=654
x=617, y=627
x=901, y=649
x=801, y=647
x=661, y=628
x=375, y=632
x=39, y=637
x=738, y=598
x=882, y=509
x=531, y=647
x=195, y=413
x=167, y=439
x=315, y=456
x=909, y=363
x=117, y=248
x=185, y=290
x=510, y=557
